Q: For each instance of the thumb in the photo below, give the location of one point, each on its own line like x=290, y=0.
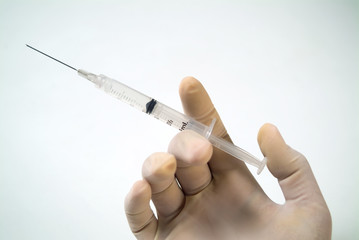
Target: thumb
x=290, y=167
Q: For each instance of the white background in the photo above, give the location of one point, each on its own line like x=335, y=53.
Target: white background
x=69, y=153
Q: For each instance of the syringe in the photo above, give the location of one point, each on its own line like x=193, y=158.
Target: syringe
x=164, y=113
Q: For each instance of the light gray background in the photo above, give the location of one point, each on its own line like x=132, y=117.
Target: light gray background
x=69, y=153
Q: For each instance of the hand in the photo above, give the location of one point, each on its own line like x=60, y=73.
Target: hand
x=218, y=198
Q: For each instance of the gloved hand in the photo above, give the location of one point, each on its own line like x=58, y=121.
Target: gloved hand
x=218, y=198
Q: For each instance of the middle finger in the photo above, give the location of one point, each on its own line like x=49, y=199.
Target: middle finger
x=192, y=152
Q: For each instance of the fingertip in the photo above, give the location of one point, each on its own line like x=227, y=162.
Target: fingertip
x=190, y=149
x=188, y=86
x=273, y=148
x=195, y=100
x=269, y=137
x=139, y=215
x=283, y=161
x=139, y=195
x=159, y=166
x=266, y=132
x=140, y=187
x=201, y=152
x=159, y=171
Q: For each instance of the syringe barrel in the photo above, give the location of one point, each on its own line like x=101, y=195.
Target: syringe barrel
x=179, y=120
x=168, y=115
x=118, y=90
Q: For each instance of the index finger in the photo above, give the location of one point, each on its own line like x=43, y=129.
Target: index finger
x=198, y=105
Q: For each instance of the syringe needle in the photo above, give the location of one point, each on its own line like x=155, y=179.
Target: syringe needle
x=51, y=57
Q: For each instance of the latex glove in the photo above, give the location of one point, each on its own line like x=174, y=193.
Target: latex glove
x=218, y=198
